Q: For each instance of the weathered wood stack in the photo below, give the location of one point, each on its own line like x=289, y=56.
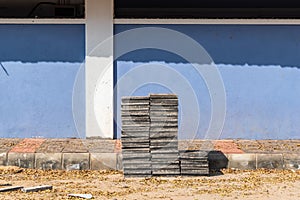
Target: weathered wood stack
x=194, y=163
x=163, y=135
x=150, y=139
x=135, y=136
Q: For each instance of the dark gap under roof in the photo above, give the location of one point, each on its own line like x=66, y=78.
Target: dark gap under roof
x=207, y=9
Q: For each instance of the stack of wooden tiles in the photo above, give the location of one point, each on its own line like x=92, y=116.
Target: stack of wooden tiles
x=194, y=163
x=135, y=136
x=164, y=135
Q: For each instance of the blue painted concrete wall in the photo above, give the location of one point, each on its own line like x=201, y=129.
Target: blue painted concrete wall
x=260, y=67
x=36, y=93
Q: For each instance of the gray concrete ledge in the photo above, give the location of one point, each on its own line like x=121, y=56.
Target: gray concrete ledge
x=113, y=161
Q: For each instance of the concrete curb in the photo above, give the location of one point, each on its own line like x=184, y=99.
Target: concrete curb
x=99, y=154
x=113, y=161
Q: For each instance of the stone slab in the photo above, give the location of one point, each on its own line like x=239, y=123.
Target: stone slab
x=134, y=160
x=194, y=167
x=135, y=108
x=269, y=146
x=274, y=146
x=166, y=173
x=162, y=151
x=194, y=154
x=6, y=144
x=291, y=161
x=249, y=146
x=137, y=145
x=134, y=113
x=75, y=146
x=135, y=120
x=132, y=116
x=136, y=150
x=200, y=172
x=135, y=129
x=164, y=124
x=242, y=161
x=164, y=100
x=119, y=161
x=154, y=130
x=164, y=146
x=134, y=136
x=125, y=98
x=63, y=146
x=163, y=96
x=131, y=123
x=145, y=103
x=164, y=166
x=168, y=156
x=23, y=160
x=52, y=146
x=162, y=135
x=164, y=119
x=3, y=159
x=48, y=161
x=193, y=162
x=100, y=145
x=270, y=161
x=137, y=171
x=164, y=108
x=103, y=161
x=127, y=163
x=174, y=104
x=137, y=165
x=164, y=115
x=135, y=140
x=80, y=161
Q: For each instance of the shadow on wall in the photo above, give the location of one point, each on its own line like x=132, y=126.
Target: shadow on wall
x=251, y=44
x=261, y=74
x=42, y=43
x=42, y=62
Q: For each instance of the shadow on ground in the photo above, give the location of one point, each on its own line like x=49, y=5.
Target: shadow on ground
x=217, y=162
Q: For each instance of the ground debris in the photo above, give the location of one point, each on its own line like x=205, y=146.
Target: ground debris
x=37, y=188
x=10, y=170
x=5, y=184
x=9, y=189
x=84, y=196
x=104, y=185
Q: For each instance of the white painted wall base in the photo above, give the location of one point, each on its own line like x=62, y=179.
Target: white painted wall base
x=99, y=100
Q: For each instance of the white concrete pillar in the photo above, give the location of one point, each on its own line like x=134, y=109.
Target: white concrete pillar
x=99, y=68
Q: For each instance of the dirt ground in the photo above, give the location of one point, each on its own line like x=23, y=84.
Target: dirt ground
x=258, y=184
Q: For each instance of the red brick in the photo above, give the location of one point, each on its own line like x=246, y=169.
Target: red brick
x=28, y=146
x=118, y=146
x=227, y=146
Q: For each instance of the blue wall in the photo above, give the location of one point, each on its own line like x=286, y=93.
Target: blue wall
x=259, y=65
x=41, y=62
